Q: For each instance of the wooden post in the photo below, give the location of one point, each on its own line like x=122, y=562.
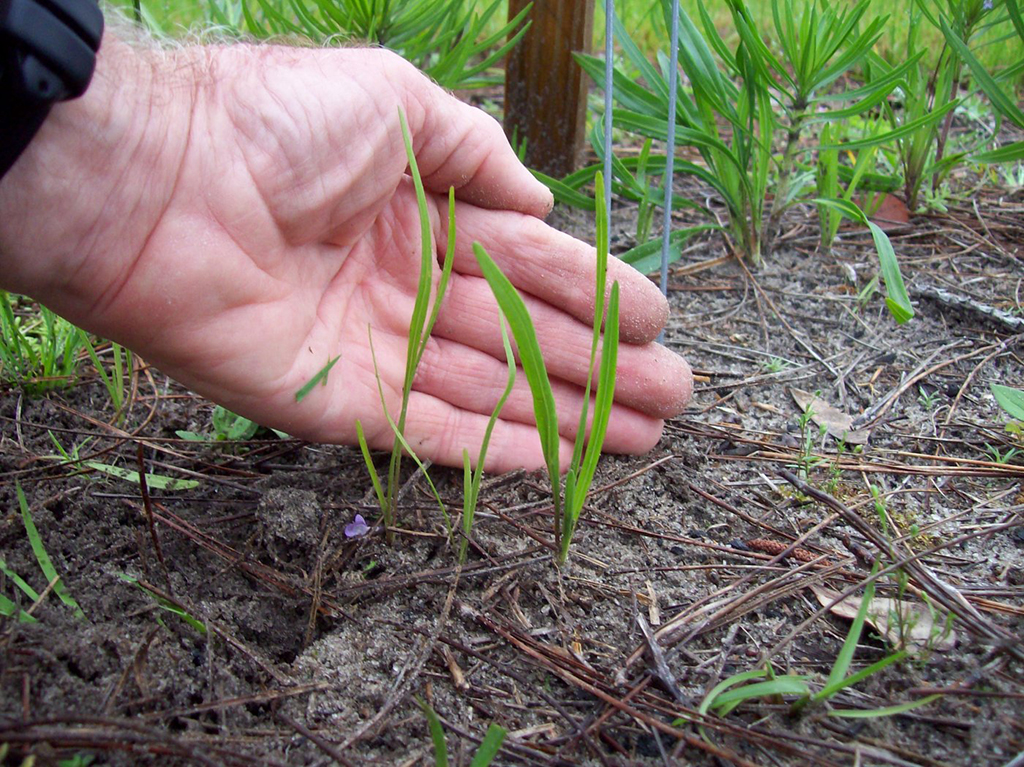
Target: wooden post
x=545, y=89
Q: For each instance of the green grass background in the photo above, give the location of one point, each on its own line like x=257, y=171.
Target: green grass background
x=997, y=48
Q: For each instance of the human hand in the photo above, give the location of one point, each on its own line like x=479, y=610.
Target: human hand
x=247, y=216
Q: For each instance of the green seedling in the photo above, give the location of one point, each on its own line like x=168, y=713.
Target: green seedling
x=167, y=605
x=401, y=444
x=806, y=458
x=471, y=479
x=927, y=399
x=43, y=559
x=39, y=351
x=420, y=326
x=775, y=365
x=153, y=481
x=727, y=695
x=897, y=300
x=998, y=455
x=227, y=427
x=489, y=746
x=584, y=461
x=117, y=380
x=8, y=607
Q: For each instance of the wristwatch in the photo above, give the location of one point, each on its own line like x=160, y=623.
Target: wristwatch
x=47, y=54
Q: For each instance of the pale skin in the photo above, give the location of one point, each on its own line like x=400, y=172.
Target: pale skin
x=240, y=215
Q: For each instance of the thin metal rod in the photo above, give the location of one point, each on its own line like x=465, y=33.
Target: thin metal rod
x=670, y=149
x=609, y=91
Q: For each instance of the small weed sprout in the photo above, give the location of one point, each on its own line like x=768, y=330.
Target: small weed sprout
x=775, y=365
x=806, y=458
x=227, y=427
x=39, y=352
x=584, y=462
x=489, y=746
x=927, y=398
x=420, y=326
x=471, y=479
x=53, y=580
x=1001, y=456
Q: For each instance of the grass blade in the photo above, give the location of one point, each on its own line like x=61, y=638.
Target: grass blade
x=374, y=478
x=45, y=564
x=533, y=367
x=158, y=481
x=320, y=376
x=436, y=733
x=489, y=746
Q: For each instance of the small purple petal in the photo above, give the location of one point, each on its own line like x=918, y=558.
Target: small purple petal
x=357, y=528
x=987, y=5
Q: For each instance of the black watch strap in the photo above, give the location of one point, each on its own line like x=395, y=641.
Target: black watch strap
x=47, y=54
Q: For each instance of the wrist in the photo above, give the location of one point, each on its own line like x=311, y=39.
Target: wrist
x=82, y=199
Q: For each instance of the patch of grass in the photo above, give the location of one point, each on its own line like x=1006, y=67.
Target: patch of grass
x=39, y=351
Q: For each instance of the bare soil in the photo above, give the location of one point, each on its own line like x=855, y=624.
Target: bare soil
x=316, y=644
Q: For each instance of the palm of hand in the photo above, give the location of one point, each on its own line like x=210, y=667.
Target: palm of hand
x=292, y=229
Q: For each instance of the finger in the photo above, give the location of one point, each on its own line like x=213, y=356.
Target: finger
x=474, y=381
x=438, y=431
x=556, y=268
x=457, y=145
x=650, y=378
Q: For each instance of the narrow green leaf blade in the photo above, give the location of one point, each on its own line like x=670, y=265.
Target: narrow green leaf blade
x=320, y=376
x=489, y=746
x=45, y=563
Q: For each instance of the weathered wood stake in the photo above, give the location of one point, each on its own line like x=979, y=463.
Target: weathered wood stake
x=545, y=90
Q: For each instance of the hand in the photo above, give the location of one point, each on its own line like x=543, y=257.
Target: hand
x=244, y=215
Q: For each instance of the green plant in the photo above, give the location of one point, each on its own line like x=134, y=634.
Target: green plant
x=116, y=381
x=471, y=479
x=726, y=696
x=227, y=427
x=448, y=40
x=420, y=326
x=828, y=174
x=584, y=461
x=897, y=300
x=167, y=605
x=1002, y=456
x=39, y=351
x=819, y=44
x=489, y=746
x=930, y=92
x=1012, y=401
x=1013, y=176
x=775, y=365
x=49, y=572
x=927, y=398
x=806, y=459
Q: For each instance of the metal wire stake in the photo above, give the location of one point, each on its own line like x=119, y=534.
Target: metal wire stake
x=670, y=150
x=609, y=88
